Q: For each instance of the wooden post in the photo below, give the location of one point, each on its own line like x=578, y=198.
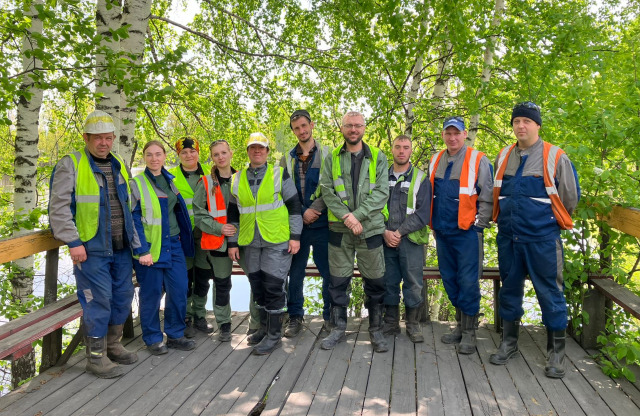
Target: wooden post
x=424, y=313
x=497, y=320
x=594, y=304
x=51, y=343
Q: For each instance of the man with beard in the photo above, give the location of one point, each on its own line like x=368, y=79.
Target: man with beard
x=355, y=188
x=407, y=214
x=304, y=163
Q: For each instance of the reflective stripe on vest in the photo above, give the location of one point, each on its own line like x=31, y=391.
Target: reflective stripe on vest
x=267, y=210
x=217, y=211
x=550, y=156
x=338, y=182
x=468, y=195
x=151, y=215
x=185, y=189
x=87, y=194
x=324, y=152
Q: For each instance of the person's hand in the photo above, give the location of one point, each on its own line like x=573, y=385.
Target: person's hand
x=294, y=246
x=391, y=238
x=228, y=230
x=352, y=223
x=78, y=254
x=146, y=260
x=234, y=253
x=310, y=216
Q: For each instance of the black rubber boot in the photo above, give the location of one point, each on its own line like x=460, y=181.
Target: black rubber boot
x=189, y=330
x=257, y=336
x=555, y=351
x=115, y=350
x=468, y=342
x=225, y=332
x=337, y=334
x=97, y=361
x=378, y=341
x=391, y=320
x=294, y=327
x=455, y=335
x=414, y=330
x=509, y=345
x=274, y=335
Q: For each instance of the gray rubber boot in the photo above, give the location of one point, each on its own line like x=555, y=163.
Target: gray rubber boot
x=469, y=324
x=378, y=341
x=555, y=350
x=414, y=330
x=257, y=336
x=337, y=334
x=273, y=339
x=115, y=350
x=391, y=320
x=97, y=361
x=509, y=345
x=455, y=335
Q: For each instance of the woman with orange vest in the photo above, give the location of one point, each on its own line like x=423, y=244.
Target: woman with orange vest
x=462, y=183
x=210, y=214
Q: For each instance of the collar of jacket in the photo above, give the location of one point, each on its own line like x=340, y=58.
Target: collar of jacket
x=169, y=177
x=199, y=171
x=365, y=148
x=407, y=174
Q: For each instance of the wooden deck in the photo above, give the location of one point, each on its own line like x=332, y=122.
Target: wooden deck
x=425, y=379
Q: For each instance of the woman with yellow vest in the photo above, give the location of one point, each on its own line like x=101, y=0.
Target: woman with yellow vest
x=210, y=213
x=187, y=175
x=161, y=218
x=265, y=207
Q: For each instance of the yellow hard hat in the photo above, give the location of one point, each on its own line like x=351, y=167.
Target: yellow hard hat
x=258, y=138
x=99, y=122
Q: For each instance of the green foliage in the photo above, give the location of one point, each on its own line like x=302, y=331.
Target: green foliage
x=619, y=352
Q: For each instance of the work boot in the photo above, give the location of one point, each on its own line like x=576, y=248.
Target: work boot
x=202, y=325
x=273, y=339
x=391, y=320
x=327, y=326
x=337, y=334
x=158, y=348
x=414, y=330
x=294, y=327
x=189, y=330
x=115, y=350
x=378, y=341
x=98, y=363
x=509, y=345
x=455, y=335
x=468, y=342
x=225, y=332
x=257, y=336
x=181, y=343
x=555, y=349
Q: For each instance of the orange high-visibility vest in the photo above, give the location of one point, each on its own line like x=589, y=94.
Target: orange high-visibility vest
x=218, y=212
x=550, y=156
x=467, y=196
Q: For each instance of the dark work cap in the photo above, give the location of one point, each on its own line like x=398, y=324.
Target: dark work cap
x=527, y=109
x=297, y=114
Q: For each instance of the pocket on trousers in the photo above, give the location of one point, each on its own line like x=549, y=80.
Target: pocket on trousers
x=335, y=239
x=374, y=241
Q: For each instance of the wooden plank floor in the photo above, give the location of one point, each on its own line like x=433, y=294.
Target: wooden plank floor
x=302, y=379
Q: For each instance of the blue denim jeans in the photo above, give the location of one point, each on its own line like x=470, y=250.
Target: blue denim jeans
x=319, y=239
x=404, y=264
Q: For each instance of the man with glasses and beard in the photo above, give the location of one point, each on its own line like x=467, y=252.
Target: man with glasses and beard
x=462, y=183
x=355, y=188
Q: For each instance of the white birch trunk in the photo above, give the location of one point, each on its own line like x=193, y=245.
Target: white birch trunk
x=412, y=94
x=25, y=170
x=108, y=17
x=135, y=13
x=486, y=70
x=442, y=79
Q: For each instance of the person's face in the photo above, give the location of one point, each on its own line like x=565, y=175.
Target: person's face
x=221, y=155
x=453, y=139
x=353, y=129
x=99, y=144
x=303, y=129
x=401, y=152
x=189, y=159
x=154, y=158
x=525, y=129
x=257, y=154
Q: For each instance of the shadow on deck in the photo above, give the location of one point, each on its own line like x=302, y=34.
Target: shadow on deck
x=429, y=378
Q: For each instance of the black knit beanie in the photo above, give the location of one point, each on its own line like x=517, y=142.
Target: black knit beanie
x=527, y=109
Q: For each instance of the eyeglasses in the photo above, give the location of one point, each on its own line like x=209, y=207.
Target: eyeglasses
x=350, y=126
x=527, y=104
x=456, y=118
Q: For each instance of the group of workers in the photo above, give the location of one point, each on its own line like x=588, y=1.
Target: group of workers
x=182, y=227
